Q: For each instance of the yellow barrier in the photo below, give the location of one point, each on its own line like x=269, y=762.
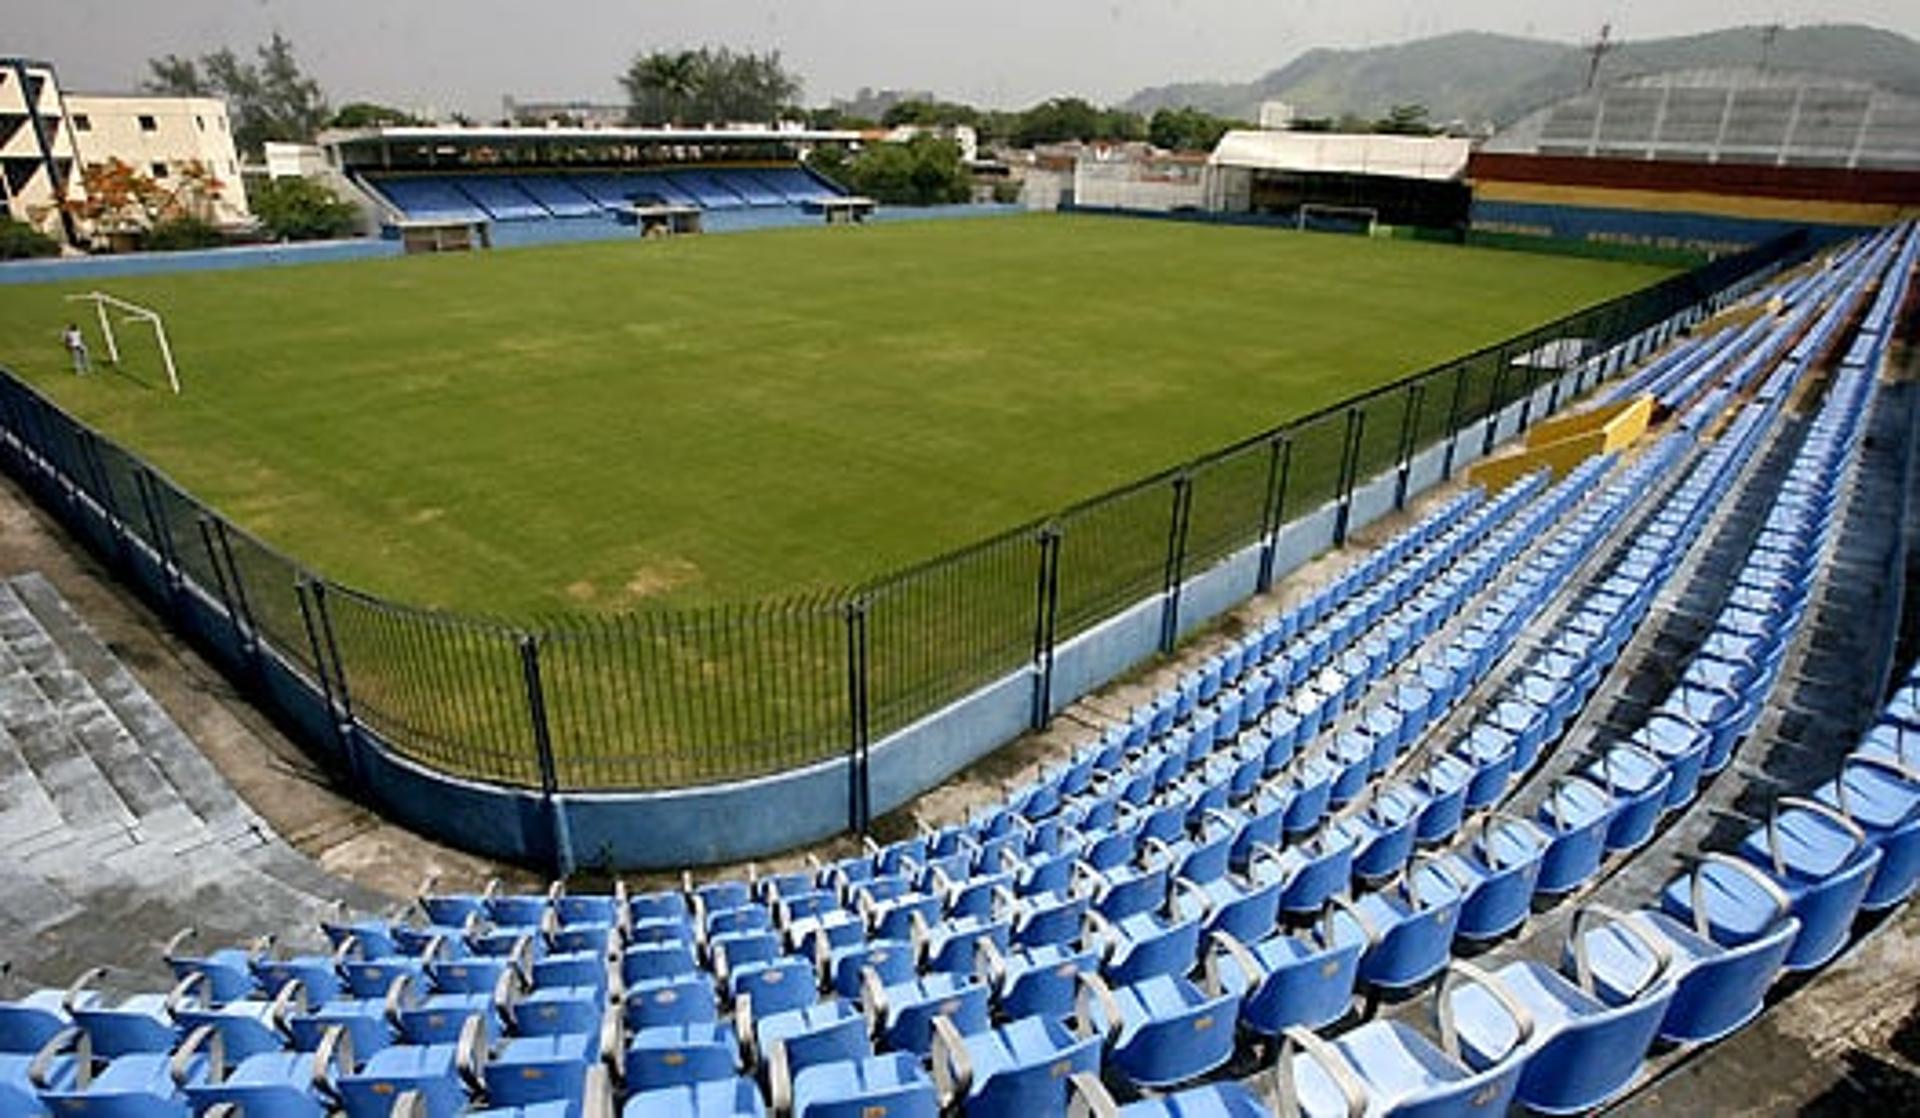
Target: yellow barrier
x=1561, y=444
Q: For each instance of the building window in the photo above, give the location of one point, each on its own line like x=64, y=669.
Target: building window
x=200, y=122
x=148, y=124
x=82, y=122
x=159, y=170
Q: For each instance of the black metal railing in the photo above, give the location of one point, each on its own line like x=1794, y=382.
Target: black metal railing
x=671, y=698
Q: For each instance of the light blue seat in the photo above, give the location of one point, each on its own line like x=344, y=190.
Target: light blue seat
x=1163, y=1030
x=1637, y=780
x=892, y=1085
x=670, y=1001
x=1717, y=988
x=1301, y=978
x=1409, y=926
x=441, y=1074
x=1040, y=980
x=901, y=1015
x=524, y=1071
x=1575, y=815
x=1815, y=855
x=673, y=1055
x=1584, y=1051
x=1019, y=1068
x=720, y=1098
x=1496, y=872
x=1143, y=945
x=1882, y=797
x=1387, y=1067
x=275, y=1084
x=820, y=1033
x=1682, y=744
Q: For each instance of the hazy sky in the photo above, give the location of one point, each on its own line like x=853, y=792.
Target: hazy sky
x=464, y=54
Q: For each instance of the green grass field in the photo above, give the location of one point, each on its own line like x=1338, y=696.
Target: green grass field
x=596, y=427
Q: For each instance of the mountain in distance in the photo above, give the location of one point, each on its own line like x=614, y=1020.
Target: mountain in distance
x=1478, y=77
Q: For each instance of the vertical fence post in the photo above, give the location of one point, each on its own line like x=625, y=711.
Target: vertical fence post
x=303, y=591
x=220, y=585
x=1175, y=570
x=1046, y=614
x=1494, y=404
x=1349, y=466
x=859, y=790
x=1526, y=398
x=1273, y=510
x=251, y=629
x=1409, y=433
x=158, y=535
x=1453, y=419
x=317, y=590
x=561, y=831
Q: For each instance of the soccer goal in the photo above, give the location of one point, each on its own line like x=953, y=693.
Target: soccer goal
x=134, y=312
x=1326, y=218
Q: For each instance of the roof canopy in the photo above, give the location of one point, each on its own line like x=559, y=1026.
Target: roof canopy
x=1433, y=158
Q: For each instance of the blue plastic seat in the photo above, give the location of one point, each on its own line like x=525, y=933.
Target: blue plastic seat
x=1637, y=780
x=1163, y=1030
x=670, y=1001
x=674, y=1055
x=441, y=1074
x=1496, y=872
x=1019, y=1068
x=1303, y=978
x=892, y=1085
x=1409, y=926
x=275, y=1084
x=1717, y=988
x=719, y=1098
x=1040, y=980
x=1575, y=814
x=820, y=1033
x=1387, y=1067
x=524, y=1071
x=1882, y=797
x=1815, y=855
x=901, y=1015
x=1585, y=1051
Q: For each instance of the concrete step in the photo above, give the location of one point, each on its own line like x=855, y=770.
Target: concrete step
x=160, y=740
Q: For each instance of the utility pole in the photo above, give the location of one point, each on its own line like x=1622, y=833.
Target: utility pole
x=1767, y=35
x=1597, y=50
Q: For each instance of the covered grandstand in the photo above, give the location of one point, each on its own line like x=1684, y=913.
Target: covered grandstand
x=1709, y=160
x=1398, y=180
x=568, y=183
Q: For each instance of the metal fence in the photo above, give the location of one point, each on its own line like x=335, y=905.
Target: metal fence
x=673, y=698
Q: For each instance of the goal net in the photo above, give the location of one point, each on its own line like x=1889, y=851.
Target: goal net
x=1338, y=219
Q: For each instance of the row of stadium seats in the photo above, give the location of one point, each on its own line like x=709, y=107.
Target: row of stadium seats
x=531, y=197
x=1331, y=805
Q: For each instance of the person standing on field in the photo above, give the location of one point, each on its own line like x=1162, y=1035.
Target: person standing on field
x=76, y=344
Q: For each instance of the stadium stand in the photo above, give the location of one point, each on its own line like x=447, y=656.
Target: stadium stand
x=1522, y=703
x=544, y=197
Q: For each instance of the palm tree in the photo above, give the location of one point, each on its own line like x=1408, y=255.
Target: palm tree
x=661, y=85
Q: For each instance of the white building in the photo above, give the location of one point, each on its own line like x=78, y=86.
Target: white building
x=47, y=137
x=160, y=137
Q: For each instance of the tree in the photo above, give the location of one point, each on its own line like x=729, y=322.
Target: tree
x=1188, y=129
x=19, y=241
x=924, y=171
x=366, y=114
x=1071, y=118
x=708, y=86
x=299, y=209
x=120, y=200
x=1405, y=120
x=268, y=99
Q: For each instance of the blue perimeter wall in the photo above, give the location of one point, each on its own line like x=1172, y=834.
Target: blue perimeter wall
x=1696, y=231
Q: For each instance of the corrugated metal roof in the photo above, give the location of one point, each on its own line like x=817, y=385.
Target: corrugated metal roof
x=1434, y=158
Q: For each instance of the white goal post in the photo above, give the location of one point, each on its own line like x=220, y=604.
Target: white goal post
x=134, y=313
x=1366, y=216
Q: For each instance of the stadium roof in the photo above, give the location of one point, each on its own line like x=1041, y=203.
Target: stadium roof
x=1728, y=116
x=1434, y=158
x=512, y=136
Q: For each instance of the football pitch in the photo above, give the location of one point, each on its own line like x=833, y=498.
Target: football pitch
x=606, y=426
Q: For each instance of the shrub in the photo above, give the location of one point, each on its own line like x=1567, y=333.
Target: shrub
x=182, y=232
x=20, y=241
